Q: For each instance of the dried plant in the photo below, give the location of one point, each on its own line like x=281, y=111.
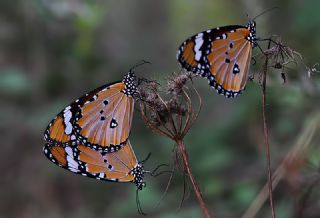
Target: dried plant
x=278, y=55
x=173, y=117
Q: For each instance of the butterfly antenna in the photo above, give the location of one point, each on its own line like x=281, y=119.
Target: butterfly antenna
x=140, y=63
x=184, y=191
x=146, y=159
x=140, y=211
x=154, y=174
x=265, y=11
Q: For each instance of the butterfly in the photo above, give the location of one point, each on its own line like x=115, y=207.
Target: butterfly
x=222, y=55
x=90, y=136
x=100, y=119
x=119, y=166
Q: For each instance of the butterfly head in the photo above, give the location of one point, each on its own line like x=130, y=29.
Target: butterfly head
x=252, y=28
x=129, y=81
x=138, y=174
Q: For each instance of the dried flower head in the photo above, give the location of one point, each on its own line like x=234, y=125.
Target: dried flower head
x=177, y=82
x=281, y=55
x=171, y=116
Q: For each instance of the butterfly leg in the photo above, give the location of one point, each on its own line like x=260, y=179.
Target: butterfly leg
x=154, y=173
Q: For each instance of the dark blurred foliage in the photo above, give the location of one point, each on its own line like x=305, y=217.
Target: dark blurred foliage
x=51, y=52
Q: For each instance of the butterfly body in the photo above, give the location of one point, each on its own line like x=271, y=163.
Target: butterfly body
x=222, y=55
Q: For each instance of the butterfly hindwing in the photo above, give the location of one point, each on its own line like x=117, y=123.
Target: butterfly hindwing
x=80, y=159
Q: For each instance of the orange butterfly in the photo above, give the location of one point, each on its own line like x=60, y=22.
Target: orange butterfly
x=100, y=119
x=222, y=55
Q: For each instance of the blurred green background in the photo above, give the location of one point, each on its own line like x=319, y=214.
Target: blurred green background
x=52, y=52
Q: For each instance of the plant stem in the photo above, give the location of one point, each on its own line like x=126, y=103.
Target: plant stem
x=265, y=131
x=185, y=157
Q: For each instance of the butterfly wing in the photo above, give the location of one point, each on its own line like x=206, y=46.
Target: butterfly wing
x=100, y=119
x=60, y=130
x=104, y=121
x=222, y=55
x=80, y=159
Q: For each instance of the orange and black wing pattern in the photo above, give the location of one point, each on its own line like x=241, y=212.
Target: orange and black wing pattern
x=222, y=55
x=120, y=166
x=100, y=119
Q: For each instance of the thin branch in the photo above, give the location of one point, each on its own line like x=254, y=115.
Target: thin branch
x=187, y=124
x=200, y=103
x=185, y=188
x=180, y=120
x=183, y=152
x=265, y=131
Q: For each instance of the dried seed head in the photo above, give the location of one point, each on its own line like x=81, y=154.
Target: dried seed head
x=177, y=82
x=282, y=55
x=173, y=117
x=176, y=107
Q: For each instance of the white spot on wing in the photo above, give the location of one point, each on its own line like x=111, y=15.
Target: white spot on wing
x=67, y=114
x=68, y=129
x=67, y=109
x=72, y=163
x=198, y=44
x=69, y=151
x=73, y=169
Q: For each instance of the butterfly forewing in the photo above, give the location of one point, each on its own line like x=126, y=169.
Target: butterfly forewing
x=56, y=131
x=107, y=119
x=100, y=119
x=229, y=61
x=192, y=52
